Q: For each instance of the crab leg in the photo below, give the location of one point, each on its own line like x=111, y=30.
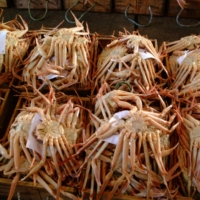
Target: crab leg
x=53, y=155
x=158, y=160
x=67, y=154
x=177, y=46
x=61, y=154
x=50, y=191
x=56, y=52
x=41, y=163
x=147, y=160
x=179, y=81
x=6, y=168
x=60, y=47
x=94, y=166
x=64, y=54
x=105, y=183
x=52, y=50
x=91, y=153
x=4, y=152
x=11, y=59
x=86, y=178
x=92, y=187
x=13, y=186
x=143, y=73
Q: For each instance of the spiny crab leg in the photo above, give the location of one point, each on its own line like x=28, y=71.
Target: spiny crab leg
x=94, y=166
x=86, y=178
x=44, y=184
x=156, y=154
x=90, y=154
x=38, y=166
x=113, y=165
x=125, y=152
x=147, y=161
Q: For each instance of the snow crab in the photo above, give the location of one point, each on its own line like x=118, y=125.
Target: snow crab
x=16, y=45
x=188, y=154
x=186, y=43
x=60, y=57
x=130, y=60
x=136, y=135
x=44, y=133
x=188, y=73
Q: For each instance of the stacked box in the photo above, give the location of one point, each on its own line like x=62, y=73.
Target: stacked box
x=38, y=4
x=191, y=10
x=140, y=6
x=3, y=3
x=100, y=6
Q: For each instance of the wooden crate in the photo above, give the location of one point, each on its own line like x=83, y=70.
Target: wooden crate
x=101, y=6
x=99, y=43
x=140, y=6
x=38, y=4
x=3, y=3
x=192, y=10
x=19, y=105
x=7, y=80
x=27, y=190
x=7, y=105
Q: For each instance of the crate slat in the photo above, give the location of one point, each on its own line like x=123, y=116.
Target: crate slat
x=7, y=105
x=140, y=6
x=38, y=4
x=3, y=3
x=101, y=6
x=192, y=10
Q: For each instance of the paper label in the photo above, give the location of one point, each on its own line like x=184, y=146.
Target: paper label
x=116, y=119
x=181, y=58
x=48, y=77
x=145, y=54
x=52, y=76
x=3, y=41
x=32, y=143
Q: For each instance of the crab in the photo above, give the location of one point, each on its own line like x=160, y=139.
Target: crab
x=188, y=73
x=55, y=133
x=173, y=63
x=125, y=59
x=60, y=57
x=135, y=41
x=106, y=104
x=141, y=129
x=188, y=154
x=16, y=46
x=106, y=61
x=186, y=43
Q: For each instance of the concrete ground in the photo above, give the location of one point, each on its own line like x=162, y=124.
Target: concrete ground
x=161, y=28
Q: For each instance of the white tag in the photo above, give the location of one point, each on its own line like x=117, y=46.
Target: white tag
x=48, y=77
x=145, y=55
x=115, y=120
x=181, y=58
x=3, y=41
x=52, y=76
x=32, y=143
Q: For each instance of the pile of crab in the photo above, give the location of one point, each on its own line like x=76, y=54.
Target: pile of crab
x=137, y=133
